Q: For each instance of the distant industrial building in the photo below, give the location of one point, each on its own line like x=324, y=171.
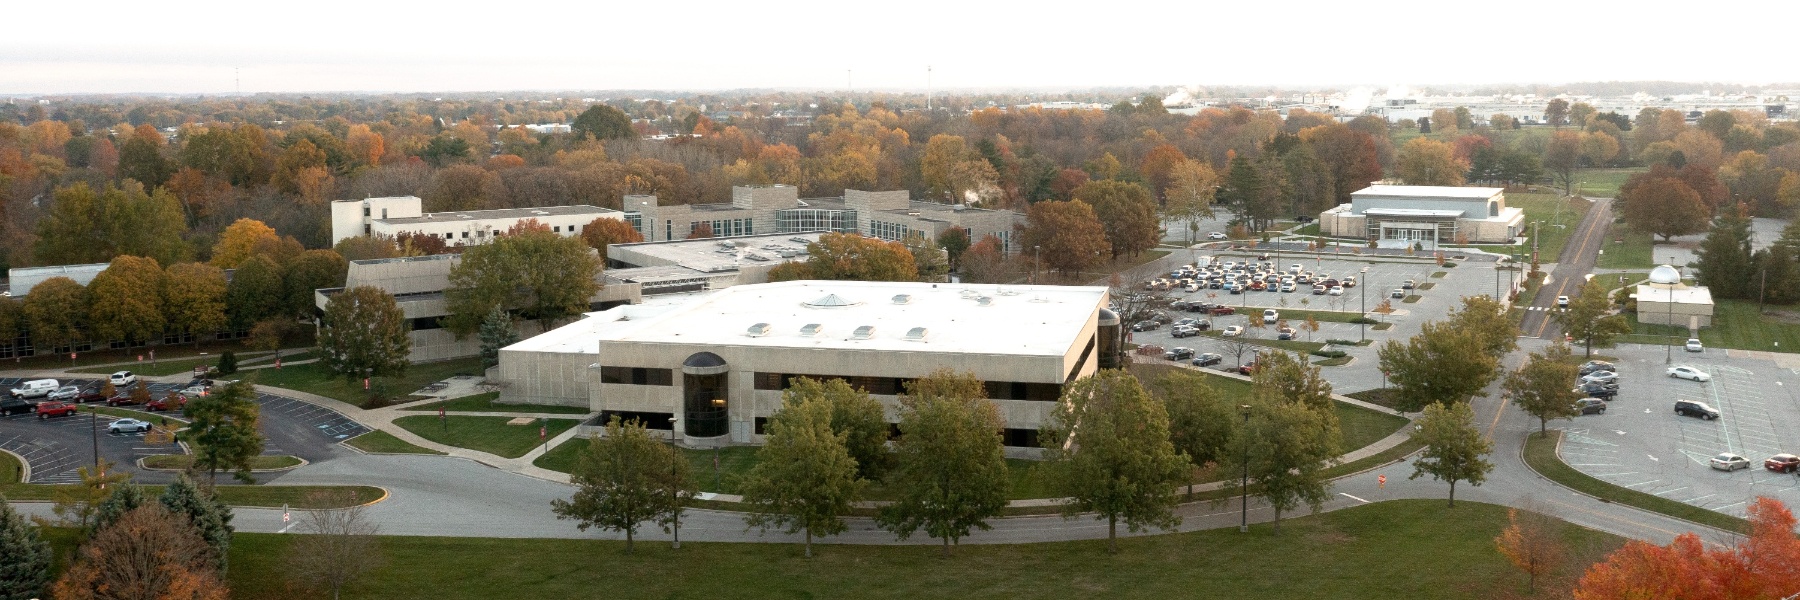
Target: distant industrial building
x=712, y=369
x=1412, y=214
x=404, y=214
x=778, y=209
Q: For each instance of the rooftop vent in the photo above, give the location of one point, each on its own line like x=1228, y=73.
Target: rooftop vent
x=540, y=212
x=916, y=334
x=903, y=299
x=758, y=330
x=863, y=333
x=811, y=329
x=830, y=301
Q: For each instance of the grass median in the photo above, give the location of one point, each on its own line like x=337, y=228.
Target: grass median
x=485, y=434
x=1540, y=455
x=1351, y=553
x=254, y=496
x=485, y=403
x=382, y=442
x=315, y=378
x=183, y=461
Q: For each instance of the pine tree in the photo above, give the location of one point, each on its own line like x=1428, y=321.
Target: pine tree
x=1724, y=258
x=121, y=500
x=210, y=517
x=24, y=557
x=228, y=363
x=496, y=333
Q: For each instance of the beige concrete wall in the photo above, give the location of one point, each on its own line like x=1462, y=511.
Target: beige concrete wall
x=439, y=344
x=1485, y=231
x=1343, y=224
x=1659, y=313
x=556, y=378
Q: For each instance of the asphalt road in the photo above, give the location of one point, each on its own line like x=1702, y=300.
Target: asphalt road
x=1577, y=260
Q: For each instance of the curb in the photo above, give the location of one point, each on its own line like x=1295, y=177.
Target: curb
x=1558, y=452
x=24, y=466
x=140, y=463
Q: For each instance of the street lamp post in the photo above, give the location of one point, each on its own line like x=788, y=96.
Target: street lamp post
x=94, y=431
x=1244, y=487
x=1669, y=349
x=1362, y=324
x=1036, y=252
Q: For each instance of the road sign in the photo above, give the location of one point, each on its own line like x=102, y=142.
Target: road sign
x=365, y=383
x=543, y=431
x=285, y=517
x=1381, y=481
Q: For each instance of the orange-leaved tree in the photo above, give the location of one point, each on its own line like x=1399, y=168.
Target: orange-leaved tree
x=1762, y=566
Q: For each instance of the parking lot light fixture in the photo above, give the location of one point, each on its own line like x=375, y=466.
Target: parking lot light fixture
x=1244, y=486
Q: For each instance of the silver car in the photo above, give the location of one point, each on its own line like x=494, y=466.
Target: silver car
x=65, y=393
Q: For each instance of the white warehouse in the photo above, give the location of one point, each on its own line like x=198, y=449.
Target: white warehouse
x=401, y=214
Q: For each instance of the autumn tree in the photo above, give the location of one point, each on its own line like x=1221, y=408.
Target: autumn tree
x=1531, y=543
x=1354, y=156
x=141, y=158
x=239, y=241
x=950, y=470
x=1758, y=567
x=545, y=276
x=309, y=271
x=1562, y=156
x=368, y=247
x=1454, y=447
x=929, y=261
x=224, y=432
x=1442, y=363
x=851, y=257
x=255, y=291
x=622, y=481
x=334, y=546
x=985, y=262
x=1424, y=161
x=1066, y=236
x=364, y=334
x=57, y=310
x=193, y=299
x=1202, y=422
x=1588, y=318
x=1556, y=112
x=1107, y=450
x=24, y=556
x=1541, y=386
x=1189, y=194
x=120, y=308
x=804, y=479
x=85, y=225
x=1126, y=212
x=147, y=553
x=1487, y=320
x=603, y=122
x=1663, y=206
x=603, y=232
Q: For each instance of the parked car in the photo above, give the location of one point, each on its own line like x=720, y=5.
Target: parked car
x=1687, y=372
x=1208, y=359
x=1408, y=284
x=1782, y=463
x=1591, y=406
x=121, y=399
x=1601, y=377
x=1145, y=325
x=1288, y=287
x=91, y=394
x=1596, y=365
x=36, y=388
x=1692, y=408
x=1179, y=353
x=1693, y=345
x=1181, y=331
x=1727, y=461
x=1162, y=317
x=1598, y=390
x=122, y=378
x=127, y=426
x=1285, y=333
x=64, y=393
x=1349, y=282
x=46, y=410
x=10, y=405
x=1562, y=301
x=169, y=402
x=1215, y=236
x=1223, y=310
x=194, y=391
x=1320, y=289
x=1233, y=331
x=1398, y=294
x=1271, y=315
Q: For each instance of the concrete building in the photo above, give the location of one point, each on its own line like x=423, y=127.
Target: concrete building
x=778, y=209
x=1665, y=300
x=713, y=368
x=1409, y=214
x=418, y=284
x=678, y=266
x=396, y=215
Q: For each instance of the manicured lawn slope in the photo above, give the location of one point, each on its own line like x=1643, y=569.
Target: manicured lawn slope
x=315, y=378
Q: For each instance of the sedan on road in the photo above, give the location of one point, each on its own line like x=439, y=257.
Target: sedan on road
x=1591, y=406
x=1690, y=373
x=1782, y=463
x=127, y=426
x=1215, y=236
x=1179, y=353
x=1729, y=462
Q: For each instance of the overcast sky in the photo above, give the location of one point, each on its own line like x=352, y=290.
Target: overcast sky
x=192, y=46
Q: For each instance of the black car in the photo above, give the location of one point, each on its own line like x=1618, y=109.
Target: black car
x=1179, y=353
x=1590, y=406
x=1208, y=359
x=1145, y=325
x=10, y=405
x=1690, y=408
x=1596, y=365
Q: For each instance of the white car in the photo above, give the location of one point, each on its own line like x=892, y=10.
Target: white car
x=1729, y=462
x=1562, y=301
x=127, y=426
x=1687, y=372
x=1215, y=236
x=1296, y=268
x=122, y=378
x=1233, y=331
x=1336, y=290
x=1601, y=377
x=1693, y=345
x=1271, y=316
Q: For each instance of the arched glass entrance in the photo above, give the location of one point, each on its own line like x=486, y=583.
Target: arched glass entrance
x=706, y=394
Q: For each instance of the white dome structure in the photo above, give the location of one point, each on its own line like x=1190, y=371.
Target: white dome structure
x=1665, y=275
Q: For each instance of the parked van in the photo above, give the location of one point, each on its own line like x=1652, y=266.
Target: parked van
x=36, y=388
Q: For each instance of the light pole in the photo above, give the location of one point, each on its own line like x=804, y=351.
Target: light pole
x=94, y=431
x=1362, y=325
x=1244, y=514
x=1036, y=251
x=1669, y=349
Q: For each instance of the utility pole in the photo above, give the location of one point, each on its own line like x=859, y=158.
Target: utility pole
x=1244, y=514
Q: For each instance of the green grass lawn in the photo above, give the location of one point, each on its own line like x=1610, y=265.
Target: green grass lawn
x=1361, y=426
x=1300, y=346
x=183, y=461
x=1411, y=299
x=486, y=434
x=1627, y=249
x=1402, y=549
x=485, y=403
x=315, y=378
x=1736, y=324
x=382, y=442
x=1603, y=183
x=164, y=366
x=10, y=469
x=1540, y=454
x=258, y=496
x=1553, y=210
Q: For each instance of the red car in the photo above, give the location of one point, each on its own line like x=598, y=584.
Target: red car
x=1223, y=310
x=1782, y=463
x=46, y=410
x=172, y=402
x=90, y=395
x=121, y=400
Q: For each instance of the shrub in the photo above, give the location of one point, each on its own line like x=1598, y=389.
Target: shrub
x=1343, y=342
x=1448, y=265
x=1363, y=321
x=228, y=363
x=1329, y=353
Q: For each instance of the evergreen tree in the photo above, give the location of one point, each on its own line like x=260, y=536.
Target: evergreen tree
x=496, y=332
x=227, y=363
x=1724, y=258
x=121, y=500
x=210, y=517
x=24, y=557
x=224, y=431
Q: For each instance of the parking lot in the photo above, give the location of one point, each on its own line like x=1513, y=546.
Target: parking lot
x=55, y=448
x=1641, y=444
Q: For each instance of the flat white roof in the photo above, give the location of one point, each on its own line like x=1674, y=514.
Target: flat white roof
x=1015, y=320
x=579, y=337
x=503, y=213
x=1683, y=295
x=1429, y=191
x=718, y=255
x=1412, y=212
